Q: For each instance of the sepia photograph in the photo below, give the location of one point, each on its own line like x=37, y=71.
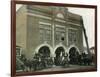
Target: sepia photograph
x=55, y=38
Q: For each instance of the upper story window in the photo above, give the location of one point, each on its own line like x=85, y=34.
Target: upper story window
x=45, y=31
x=48, y=35
x=62, y=36
x=72, y=36
x=57, y=36
x=41, y=32
x=59, y=33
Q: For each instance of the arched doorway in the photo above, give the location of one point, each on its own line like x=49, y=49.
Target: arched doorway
x=73, y=55
x=45, y=57
x=59, y=52
x=45, y=51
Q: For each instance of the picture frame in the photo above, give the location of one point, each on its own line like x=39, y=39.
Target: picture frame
x=18, y=37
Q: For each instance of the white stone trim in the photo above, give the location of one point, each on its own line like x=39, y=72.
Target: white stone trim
x=60, y=15
x=73, y=46
x=73, y=24
x=21, y=51
x=41, y=16
x=53, y=34
x=44, y=44
x=60, y=26
x=59, y=45
x=67, y=36
x=44, y=23
x=59, y=20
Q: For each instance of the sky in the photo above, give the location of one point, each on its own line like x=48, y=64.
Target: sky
x=88, y=15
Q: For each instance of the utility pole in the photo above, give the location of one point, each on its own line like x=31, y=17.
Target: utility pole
x=86, y=38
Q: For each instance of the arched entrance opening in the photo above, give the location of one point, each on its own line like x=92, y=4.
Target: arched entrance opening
x=44, y=58
x=59, y=52
x=44, y=51
x=73, y=55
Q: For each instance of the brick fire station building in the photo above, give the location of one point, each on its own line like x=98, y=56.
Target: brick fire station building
x=50, y=30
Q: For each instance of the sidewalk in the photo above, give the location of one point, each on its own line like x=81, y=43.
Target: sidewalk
x=70, y=67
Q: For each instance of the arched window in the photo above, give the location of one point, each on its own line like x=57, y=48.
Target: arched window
x=60, y=15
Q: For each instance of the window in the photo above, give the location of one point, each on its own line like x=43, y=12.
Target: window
x=41, y=34
x=48, y=35
x=57, y=36
x=60, y=34
x=18, y=51
x=72, y=36
x=45, y=32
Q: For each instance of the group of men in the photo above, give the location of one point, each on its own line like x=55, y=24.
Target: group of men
x=41, y=61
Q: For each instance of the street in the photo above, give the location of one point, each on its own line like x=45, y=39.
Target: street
x=60, y=68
